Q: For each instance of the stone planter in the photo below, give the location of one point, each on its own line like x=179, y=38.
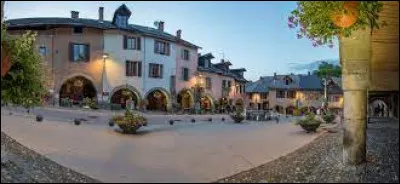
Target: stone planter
x=128, y=129
x=237, y=119
x=310, y=128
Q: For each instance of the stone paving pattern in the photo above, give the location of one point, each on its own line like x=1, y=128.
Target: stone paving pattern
x=321, y=161
x=22, y=165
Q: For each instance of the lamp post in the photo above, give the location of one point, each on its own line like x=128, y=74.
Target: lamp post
x=105, y=56
x=325, y=93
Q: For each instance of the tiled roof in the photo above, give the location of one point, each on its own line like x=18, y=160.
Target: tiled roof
x=299, y=82
x=93, y=23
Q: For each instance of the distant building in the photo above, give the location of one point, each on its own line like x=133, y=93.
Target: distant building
x=284, y=93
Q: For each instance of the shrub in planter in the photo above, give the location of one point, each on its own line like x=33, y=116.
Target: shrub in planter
x=238, y=115
x=130, y=122
x=328, y=117
x=309, y=124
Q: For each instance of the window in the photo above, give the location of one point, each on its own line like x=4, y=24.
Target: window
x=208, y=83
x=155, y=70
x=223, y=83
x=206, y=63
x=42, y=50
x=131, y=43
x=264, y=95
x=280, y=94
x=121, y=21
x=79, y=52
x=185, y=54
x=291, y=94
x=335, y=98
x=229, y=84
x=161, y=47
x=78, y=30
x=133, y=68
x=185, y=74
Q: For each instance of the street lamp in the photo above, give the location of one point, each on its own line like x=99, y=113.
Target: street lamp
x=105, y=56
x=325, y=95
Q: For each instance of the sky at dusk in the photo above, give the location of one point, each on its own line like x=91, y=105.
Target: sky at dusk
x=253, y=35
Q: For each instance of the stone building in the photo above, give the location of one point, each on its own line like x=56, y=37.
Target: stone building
x=285, y=93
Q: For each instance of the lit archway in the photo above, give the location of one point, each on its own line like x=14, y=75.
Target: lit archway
x=185, y=99
x=158, y=100
x=76, y=89
x=121, y=94
x=206, y=103
x=279, y=109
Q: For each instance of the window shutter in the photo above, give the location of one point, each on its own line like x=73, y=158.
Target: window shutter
x=124, y=42
x=167, y=45
x=126, y=68
x=161, y=71
x=138, y=45
x=71, y=52
x=150, y=69
x=155, y=46
x=139, y=69
x=134, y=68
x=88, y=53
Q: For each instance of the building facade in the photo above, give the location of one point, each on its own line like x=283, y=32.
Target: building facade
x=112, y=61
x=286, y=93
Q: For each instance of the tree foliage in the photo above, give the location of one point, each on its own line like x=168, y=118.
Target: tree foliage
x=312, y=19
x=326, y=70
x=23, y=84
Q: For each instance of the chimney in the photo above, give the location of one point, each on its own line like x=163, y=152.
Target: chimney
x=274, y=74
x=222, y=61
x=101, y=14
x=179, y=33
x=74, y=14
x=161, y=26
x=309, y=73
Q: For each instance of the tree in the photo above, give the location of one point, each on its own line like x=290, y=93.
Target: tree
x=326, y=70
x=23, y=84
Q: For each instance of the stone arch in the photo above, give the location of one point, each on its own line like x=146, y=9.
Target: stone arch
x=70, y=76
x=68, y=90
x=373, y=107
x=115, y=93
x=166, y=106
x=190, y=98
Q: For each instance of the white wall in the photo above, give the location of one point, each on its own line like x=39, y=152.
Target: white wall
x=169, y=65
x=115, y=64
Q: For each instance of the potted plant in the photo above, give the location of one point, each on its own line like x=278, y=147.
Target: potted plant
x=328, y=117
x=130, y=122
x=309, y=124
x=238, y=115
x=323, y=21
x=86, y=102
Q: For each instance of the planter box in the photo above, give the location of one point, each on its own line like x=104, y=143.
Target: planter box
x=128, y=129
x=310, y=128
x=237, y=119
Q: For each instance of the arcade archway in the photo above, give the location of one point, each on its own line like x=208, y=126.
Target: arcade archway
x=76, y=89
x=185, y=99
x=157, y=100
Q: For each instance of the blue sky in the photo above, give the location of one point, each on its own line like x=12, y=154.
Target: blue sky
x=253, y=35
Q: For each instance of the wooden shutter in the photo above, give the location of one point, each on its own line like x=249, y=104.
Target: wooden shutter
x=125, y=42
x=134, y=68
x=161, y=71
x=126, y=68
x=71, y=52
x=150, y=69
x=167, y=49
x=155, y=46
x=138, y=44
x=139, y=68
x=87, y=52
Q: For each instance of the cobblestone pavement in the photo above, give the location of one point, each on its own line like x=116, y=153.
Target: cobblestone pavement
x=321, y=160
x=22, y=165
